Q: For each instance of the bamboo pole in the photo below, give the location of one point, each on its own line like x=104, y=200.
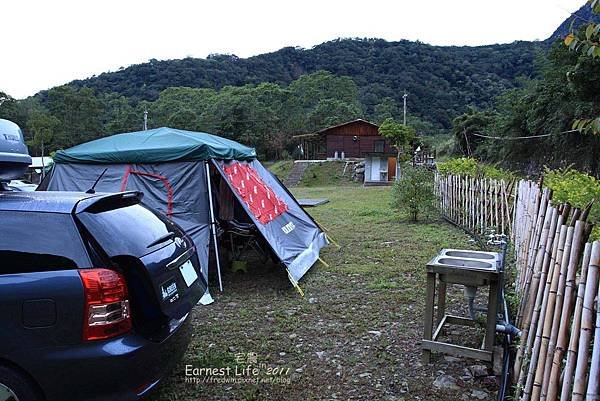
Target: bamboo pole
x=534, y=206
x=481, y=206
x=565, y=312
x=540, y=197
x=501, y=205
x=525, y=221
x=587, y=318
x=509, y=194
x=449, y=197
x=547, y=311
x=533, y=247
x=575, y=328
x=472, y=197
x=537, y=253
x=534, y=342
x=593, y=390
x=453, y=199
x=530, y=230
x=550, y=331
x=496, y=203
x=485, y=205
x=467, y=202
x=461, y=200
x=464, y=201
x=523, y=352
x=560, y=291
x=517, y=206
x=456, y=193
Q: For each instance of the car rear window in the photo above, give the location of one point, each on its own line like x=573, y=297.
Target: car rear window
x=33, y=242
x=129, y=230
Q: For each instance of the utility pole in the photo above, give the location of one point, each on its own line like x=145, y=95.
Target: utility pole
x=145, y=118
x=43, y=164
x=398, y=169
x=404, y=98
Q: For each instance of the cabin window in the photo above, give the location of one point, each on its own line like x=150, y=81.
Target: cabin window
x=379, y=146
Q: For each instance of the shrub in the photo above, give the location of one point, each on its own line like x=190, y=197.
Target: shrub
x=413, y=194
x=472, y=168
x=576, y=188
x=460, y=166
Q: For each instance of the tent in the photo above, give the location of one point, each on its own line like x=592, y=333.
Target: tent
x=173, y=169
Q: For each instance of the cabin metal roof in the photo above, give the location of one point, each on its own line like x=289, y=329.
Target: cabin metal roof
x=324, y=130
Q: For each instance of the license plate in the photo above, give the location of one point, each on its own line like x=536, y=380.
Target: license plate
x=188, y=272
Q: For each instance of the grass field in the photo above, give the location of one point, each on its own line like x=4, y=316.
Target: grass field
x=356, y=333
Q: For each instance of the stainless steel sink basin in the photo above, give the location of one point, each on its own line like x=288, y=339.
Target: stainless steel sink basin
x=470, y=255
x=466, y=263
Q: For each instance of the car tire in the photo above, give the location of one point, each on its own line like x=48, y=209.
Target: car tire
x=15, y=386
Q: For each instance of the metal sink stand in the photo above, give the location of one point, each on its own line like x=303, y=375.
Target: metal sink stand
x=472, y=271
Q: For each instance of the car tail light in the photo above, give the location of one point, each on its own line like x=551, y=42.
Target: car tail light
x=107, y=312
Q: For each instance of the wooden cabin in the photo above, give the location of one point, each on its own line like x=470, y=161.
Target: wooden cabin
x=358, y=139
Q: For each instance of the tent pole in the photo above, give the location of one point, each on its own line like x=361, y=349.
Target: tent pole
x=212, y=225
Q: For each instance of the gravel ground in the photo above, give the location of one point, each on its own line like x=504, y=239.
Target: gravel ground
x=355, y=335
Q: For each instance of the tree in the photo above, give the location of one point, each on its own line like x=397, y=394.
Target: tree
x=387, y=108
x=183, y=119
x=465, y=126
x=330, y=112
x=400, y=136
x=10, y=109
x=587, y=44
x=120, y=115
x=413, y=193
x=79, y=111
x=44, y=127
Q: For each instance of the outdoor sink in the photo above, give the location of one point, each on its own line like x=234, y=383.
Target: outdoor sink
x=470, y=255
x=463, y=266
x=466, y=263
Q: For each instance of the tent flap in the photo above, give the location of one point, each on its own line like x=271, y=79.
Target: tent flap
x=289, y=230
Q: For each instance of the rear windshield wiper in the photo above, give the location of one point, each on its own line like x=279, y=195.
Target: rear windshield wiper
x=168, y=236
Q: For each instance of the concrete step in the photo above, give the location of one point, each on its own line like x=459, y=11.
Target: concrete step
x=378, y=183
x=295, y=175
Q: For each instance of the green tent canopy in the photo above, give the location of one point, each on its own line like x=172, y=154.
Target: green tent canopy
x=155, y=146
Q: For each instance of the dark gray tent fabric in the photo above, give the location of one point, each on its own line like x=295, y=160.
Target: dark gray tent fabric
x=179, y=190
x=176, y=189
x=293, y=235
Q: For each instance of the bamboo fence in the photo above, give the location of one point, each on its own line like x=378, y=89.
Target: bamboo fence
x=477, y=204
x=558, y=285
x=558, y=280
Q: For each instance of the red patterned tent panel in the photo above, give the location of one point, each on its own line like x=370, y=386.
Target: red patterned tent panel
x=258, y=196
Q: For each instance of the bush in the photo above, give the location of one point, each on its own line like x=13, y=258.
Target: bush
x=470, y=167
x=413, y=194
x=578, y=189
x=460, y=166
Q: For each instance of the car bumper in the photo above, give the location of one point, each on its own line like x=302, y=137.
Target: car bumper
x=123, y=369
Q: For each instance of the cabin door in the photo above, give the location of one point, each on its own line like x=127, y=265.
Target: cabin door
x=375, y=175
x=391, y=168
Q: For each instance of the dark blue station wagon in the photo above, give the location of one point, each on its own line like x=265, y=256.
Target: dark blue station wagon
x=95, y=295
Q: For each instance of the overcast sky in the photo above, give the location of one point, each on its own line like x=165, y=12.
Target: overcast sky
x=48, y=43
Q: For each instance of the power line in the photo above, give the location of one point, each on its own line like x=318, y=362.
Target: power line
x=513, y=138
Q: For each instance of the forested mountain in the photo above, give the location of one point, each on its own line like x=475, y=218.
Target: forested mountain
x=441, y=81
x=510, y=90
x=578, y=18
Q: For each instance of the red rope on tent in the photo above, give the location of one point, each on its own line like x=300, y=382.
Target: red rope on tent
x=125, y=178
x=158, y=176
